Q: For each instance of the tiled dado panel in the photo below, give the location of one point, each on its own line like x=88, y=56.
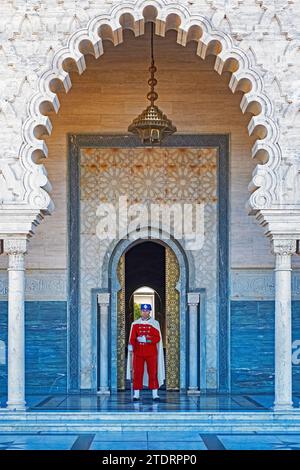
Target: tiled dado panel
x=252, y=346
x=46, y=347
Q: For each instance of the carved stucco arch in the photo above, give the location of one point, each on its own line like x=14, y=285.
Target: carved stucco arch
x=190, y=27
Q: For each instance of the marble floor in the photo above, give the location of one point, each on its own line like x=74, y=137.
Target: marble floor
x=170, y=401
x=149, y=440
x=132, y=440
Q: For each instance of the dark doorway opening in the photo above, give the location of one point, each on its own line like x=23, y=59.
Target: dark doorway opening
x=145, y=266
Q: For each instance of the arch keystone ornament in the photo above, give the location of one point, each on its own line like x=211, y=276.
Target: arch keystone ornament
x=133, y=15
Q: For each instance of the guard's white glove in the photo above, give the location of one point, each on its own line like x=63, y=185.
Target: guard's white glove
x=142, y=339
x=130, y=347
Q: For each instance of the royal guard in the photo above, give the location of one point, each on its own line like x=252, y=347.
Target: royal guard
x=145, y=343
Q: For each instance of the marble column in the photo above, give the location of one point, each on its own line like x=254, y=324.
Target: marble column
x=103, y=302
x=16, y=249
x=283, y=250
x=193, y=303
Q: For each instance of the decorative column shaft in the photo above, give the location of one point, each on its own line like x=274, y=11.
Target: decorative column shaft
x=103, y=301
x=193, y=302
x=16, y=249
x=283, y=250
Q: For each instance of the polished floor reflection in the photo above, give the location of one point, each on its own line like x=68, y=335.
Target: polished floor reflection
x=186, y=438
x=169, y=401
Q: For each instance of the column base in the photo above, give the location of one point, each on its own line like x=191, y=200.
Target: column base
x=16, y=406
x=193, y=391
x=283, y=406
x=103, y=391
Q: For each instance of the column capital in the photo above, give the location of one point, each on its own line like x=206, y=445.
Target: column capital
x=284, y=246
x=15, y=246
x=193, y=298
x=103, y=298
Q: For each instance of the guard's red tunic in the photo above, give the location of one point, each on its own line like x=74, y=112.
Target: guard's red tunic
x=144, y=352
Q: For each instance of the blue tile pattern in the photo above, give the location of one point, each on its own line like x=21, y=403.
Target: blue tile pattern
x=252, y=346
x=46, y=346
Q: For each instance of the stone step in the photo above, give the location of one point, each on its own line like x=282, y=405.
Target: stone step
x=95, y=422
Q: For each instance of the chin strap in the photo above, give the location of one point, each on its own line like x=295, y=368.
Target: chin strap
x=146, y=319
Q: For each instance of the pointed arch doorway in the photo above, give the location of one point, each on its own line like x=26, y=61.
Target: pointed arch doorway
x=155, y=266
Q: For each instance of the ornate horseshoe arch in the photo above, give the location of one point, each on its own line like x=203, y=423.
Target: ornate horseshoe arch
x=133, y=15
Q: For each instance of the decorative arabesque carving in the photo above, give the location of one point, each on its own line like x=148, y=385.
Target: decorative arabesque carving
x=189, y=26
x=121, y=325
x=172, y=321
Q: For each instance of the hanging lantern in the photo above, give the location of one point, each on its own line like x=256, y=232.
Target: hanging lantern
x=152, y=125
